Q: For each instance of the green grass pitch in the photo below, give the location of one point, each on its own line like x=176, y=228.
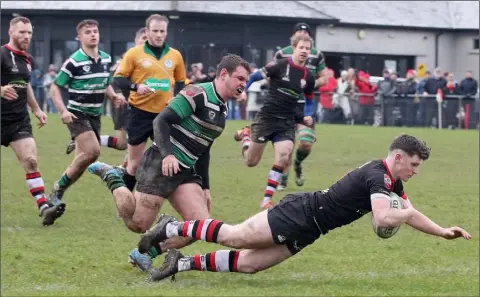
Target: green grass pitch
x=85, y=252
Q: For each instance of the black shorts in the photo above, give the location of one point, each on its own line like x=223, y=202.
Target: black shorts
x=14, y=131
x=84, y=123
x=265, y=128
x=140, y=125
x=120, y=117
x=292, y=222
x=150, y=179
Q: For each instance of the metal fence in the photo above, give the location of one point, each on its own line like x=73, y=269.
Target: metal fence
x=447, y=111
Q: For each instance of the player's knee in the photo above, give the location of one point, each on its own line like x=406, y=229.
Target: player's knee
x=142, y=224
x=251, y=160
x=92, y=155
x=283, y=157
x=234, y=238
x=121, y=144
x=31, y=164
x=305, y=145
x=248, y=266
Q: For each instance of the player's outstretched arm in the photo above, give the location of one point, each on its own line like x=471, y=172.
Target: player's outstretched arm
x=422, y=223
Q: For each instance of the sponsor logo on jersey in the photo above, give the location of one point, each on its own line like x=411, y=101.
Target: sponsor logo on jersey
x=211, y=114
x=158, y=84
x=387, y=181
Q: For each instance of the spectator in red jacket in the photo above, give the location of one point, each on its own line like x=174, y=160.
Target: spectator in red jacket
x=326, y=96
x=366, y=101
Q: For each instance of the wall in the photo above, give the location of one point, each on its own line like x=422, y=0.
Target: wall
x=455, y=50
x=466, y=57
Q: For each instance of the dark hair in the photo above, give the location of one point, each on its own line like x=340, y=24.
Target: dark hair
x=19, y=19
x=231, y=62
x=85, y=23
x=411, y=146
x=156, y=17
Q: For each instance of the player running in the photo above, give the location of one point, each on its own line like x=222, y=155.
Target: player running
x=86, y=72
x=274, y=235
x=119, y=114
x=148, y=71
x=305, y=133
x=16, y=93
x=175, y=167
x=275, y=122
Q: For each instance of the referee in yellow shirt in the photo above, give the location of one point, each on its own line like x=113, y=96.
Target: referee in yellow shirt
x=148, y=71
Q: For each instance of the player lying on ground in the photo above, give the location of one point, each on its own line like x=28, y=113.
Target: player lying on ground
x=274, y=235
x=275, y=122
x=183, y=134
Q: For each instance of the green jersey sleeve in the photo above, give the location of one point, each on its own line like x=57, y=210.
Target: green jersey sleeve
x=65, y=74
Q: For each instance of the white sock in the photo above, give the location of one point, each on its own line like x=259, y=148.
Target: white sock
x=172, y=229
x=104, y=140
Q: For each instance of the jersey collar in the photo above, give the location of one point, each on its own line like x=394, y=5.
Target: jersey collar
x=16, y=51
x=147, y=50
x=388, y=171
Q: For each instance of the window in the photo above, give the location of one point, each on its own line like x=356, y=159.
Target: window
x=61, y=50
x=36, y=50
x=475, y=44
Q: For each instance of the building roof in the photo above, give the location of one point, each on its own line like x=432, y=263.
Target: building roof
x=283, y=9
x=421, y=14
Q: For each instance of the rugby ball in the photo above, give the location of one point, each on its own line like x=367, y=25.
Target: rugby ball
x=384, y=232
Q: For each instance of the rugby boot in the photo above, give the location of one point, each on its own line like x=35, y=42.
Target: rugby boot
x=70, y=147
x=141, y=261
x=51, y=213
x=156, y=234
x=299, y=178
x=102, y=170
x=239, y=134
x=283, y=183
x=168, y=268
x=55, y=198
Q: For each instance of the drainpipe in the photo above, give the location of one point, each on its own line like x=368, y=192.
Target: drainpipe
x=437, y=38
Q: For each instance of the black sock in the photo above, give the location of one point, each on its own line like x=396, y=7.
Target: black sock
x=129, y=181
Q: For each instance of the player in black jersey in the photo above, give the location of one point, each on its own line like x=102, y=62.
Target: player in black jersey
x=274, y=235
x=305, y=134
x=290, y=80
x=16, y=93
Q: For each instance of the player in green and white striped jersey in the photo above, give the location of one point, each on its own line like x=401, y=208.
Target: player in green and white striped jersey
x=176, y=165
x=87, y=75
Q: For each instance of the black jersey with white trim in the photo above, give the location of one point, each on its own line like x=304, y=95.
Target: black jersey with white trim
x=349, y=199
x=16, y=67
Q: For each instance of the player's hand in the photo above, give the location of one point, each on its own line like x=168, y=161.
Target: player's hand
x=118, y=100
x=67, y=117
x=321, y=81
x=455, y=232
x=206, y=192
x=170, y=165
x=42, y=118
x=143, y=89
x=308, y=120
x=9, y=93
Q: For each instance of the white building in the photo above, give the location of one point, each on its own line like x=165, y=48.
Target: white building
x=369, y=35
